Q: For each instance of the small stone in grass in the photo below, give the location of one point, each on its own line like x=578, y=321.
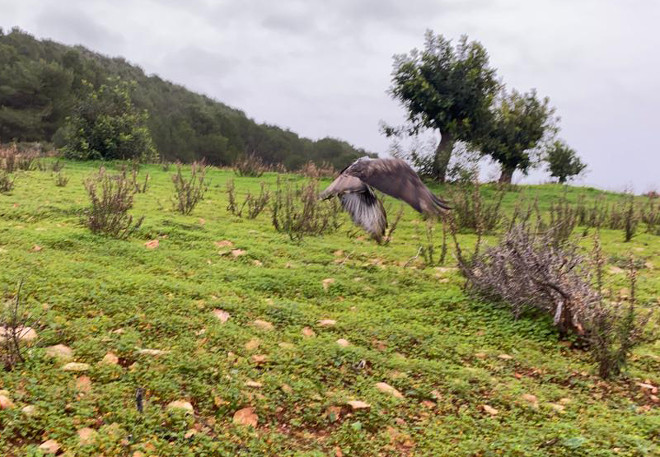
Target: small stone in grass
x=110, y=359
x=221, y=315
x=263, y=325
x=505, y=357
x=357, y=404
x=153, y=244
x=327, y=322
x=490, y=410
x=5, y=402
x=308, y=332
x=182, y=405
x=246, y=416
x=252, y=344
x=50, y=447
x=386, y=388
x=343, y=342
x=59, y=352
x=76, y=366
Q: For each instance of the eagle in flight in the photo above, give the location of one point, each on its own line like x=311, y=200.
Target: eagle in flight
x=394, y=177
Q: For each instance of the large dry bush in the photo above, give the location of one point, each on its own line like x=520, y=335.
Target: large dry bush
x=111, y=198
x=189, y=191
x=298, y=211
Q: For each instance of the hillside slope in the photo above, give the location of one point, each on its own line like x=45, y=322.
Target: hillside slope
x=246, y=325
x=40, y=81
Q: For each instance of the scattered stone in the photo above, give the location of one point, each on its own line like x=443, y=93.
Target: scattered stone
x=87, y=436
x=327, y=282
x=357, y=404
x=76, y=367
x=616, y=270
x=238, y=252
x=84, y=384
x=286, y=388
x=60, y=352
x=257, y=263
x=50, y=447
x=428, y=404
x=557, y=407
x=308, y=332
x=255, y=384
x=246, y=416
x=223, y=316
x=505, y=357
x=480, y=355
x=252, y=344
x=223, y=243
x=110, y=359
x=153, y=244
x=26, y=334
x=343, y=342
x=36, y=248
x=190, y=433
x=285, y=345
x=648, y=387
x=263, y=325
x=154, y=352
x=181, y=404
x=5, y=402
x=386, y=388
x=531, y=399
x=327, y=322
x=29, y=410
x=490, y=410
x=259, y=359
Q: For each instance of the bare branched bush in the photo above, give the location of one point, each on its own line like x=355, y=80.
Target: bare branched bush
x=14, y=328
x=232, y=206
x=6, y=182
x=312, y=170
x=298, y=211
x=630, y=219
x=61, y=180
x=189, y=192
x=250, y=165
x=111, y=198
x=527, y=270
x=165, y=165
x=14, y=158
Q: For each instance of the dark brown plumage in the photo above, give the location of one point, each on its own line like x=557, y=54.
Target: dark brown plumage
x=393, y=177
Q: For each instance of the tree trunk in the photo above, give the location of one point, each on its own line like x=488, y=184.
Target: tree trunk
x=507, y=174
x=442, y=156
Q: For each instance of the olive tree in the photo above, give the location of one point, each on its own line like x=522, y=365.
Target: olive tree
x=563, y=162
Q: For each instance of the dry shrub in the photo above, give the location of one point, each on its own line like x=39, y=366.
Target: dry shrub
x=650, y=215
x=528, y=270
x=312, y=170
x=140, y=188
x=12, y=327
x=250, y=165
x=111, y=198
x=472, y=212
x=254, y=204
x=6, y=182
x=298, y=211
x=189, y=192
x=19, y=157
x=61, y=180
x=592, y=216
x=563, y=220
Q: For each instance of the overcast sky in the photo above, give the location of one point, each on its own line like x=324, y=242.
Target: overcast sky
x=322, y=67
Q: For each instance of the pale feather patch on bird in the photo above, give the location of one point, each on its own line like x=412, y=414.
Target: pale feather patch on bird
x=393, y=177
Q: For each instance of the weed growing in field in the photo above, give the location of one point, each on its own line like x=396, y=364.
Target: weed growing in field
x=250, y=165
x=111, y=198
x=6, y=182
x=189, y=192
x=298, y=212
x=61, y=180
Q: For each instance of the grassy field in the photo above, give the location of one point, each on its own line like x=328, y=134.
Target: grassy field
x=312, y=325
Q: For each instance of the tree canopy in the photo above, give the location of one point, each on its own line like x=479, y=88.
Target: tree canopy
x=445, y=88
x=563, y=162
x=517, y=130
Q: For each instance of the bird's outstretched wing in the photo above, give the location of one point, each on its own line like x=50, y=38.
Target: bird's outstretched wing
x=360, y=202
x=366, y=211
x=395, y=178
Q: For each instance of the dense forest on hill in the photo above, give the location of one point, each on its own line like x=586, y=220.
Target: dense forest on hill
x=41, y=81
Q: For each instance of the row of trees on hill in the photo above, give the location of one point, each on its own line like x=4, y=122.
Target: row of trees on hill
x=453, y=90
x=72, y=97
